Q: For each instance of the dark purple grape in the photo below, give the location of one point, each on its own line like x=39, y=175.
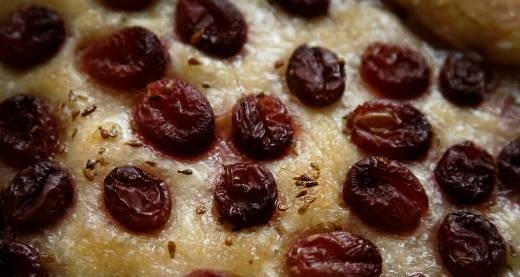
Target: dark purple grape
x=463, y=80
x=30, y=36
x=509, y=164
x=336, y=254
x=390, y=128
x=305, y=8
x=216, y=27
x=316, y=76
x=136, y=199
x=385, y=194
x=262, y=127
x=466, y=173
x=210, y=273
x=38, y=196
x=470, y=245
x=246, y=195
x=127, y=59
x=28, y=130
x=176, y=118
x=20, y=260
x=394, y=71
x=128, y=5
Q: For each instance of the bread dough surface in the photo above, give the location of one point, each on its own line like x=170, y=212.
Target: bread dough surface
x=87, y=243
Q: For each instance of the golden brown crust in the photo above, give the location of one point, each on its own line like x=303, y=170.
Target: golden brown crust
x=492, y=27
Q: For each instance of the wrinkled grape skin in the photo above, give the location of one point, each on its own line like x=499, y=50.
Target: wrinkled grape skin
x=128, y=5
x=335, y=254
x=38, y=196
x=466, y=173
x=176, y=118
x=128, y=59
x=394, y=71
x=470, y=245
x=262, y=127
x=215, y=27
x=20, y=260
x=246, y=195
x=2, y=219
x=28, y=130
x=390, y=128
x=305, y=8
x=136, y=199
x=464, y=81
x=316, y=76
x=418, y=275
x=30, y=36
x=385, y=194
x=210, y=273
x=508, y=164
